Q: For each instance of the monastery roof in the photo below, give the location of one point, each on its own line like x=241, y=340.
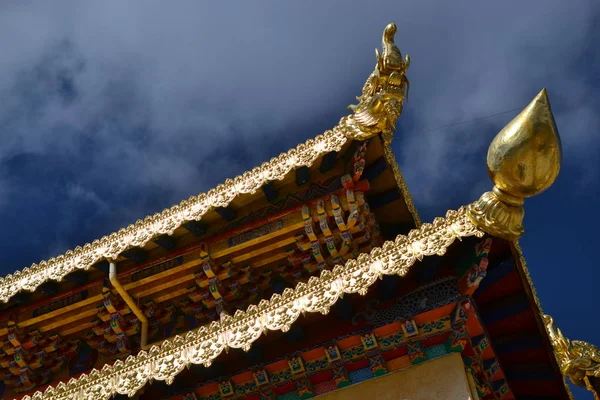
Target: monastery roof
x=203, y=207
x=497, y=213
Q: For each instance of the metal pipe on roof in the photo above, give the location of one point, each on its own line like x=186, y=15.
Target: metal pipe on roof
x=112, y=275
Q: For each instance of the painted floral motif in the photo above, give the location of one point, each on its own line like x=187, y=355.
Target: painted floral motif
x=296, y=365
x=352, y=353
x=316, y=365
x=261, y=378
x=333, y=353
x=410, y=329
x=369, y=341
x=281, y=376
x=245, y=388
x=434, y=326
x=391, y=340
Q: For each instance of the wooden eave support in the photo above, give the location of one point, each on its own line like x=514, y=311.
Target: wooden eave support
x=328, y=161
x=196, y=227
x=166, y=242
x=349, y=153
x=375, y=169
x=77, y=277
x=381, y=199
x=302, y=175
x=226, y=213
x=102, y=266
x=21, y=298
x=49, y=288
x=270, y=192
x=428, y=269
x=517, y=341
x=131, y=303
x=505, y=308
x=136, y=254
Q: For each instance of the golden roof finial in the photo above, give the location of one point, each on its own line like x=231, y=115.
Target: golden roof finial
x=383, y=95
x=523, y=160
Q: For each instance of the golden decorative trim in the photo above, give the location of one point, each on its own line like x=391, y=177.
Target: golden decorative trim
x=391, y=160
x=167, y=221
x=379, y=106
x=203, y=345
x=578, y=360
x=523, y=263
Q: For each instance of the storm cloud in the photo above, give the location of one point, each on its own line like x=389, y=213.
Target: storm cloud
x=111, y=111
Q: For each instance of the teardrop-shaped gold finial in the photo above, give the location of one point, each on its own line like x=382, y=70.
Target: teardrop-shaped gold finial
x=523, y=160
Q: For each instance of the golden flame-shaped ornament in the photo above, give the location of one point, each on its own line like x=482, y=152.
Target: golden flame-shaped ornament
x=523, y=160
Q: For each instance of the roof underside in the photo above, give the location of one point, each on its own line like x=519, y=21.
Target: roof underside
x=163, y=271
x=530, y=377
x=248, y=210
x=206, y=214
x=512, y=320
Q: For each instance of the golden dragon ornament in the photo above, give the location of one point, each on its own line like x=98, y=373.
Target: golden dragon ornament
x=523, y=160
x=383, y=94
x=578, y=360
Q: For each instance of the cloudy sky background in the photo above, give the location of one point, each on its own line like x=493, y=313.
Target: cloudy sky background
x=110, y=112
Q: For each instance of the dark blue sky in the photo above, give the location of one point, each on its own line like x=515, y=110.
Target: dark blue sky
x=111, y=112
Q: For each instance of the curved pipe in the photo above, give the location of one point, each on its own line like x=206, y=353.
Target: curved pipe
x=112, y=275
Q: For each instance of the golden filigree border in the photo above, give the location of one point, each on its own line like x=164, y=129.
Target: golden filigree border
x=523, y=263
x=391, y=160
x=192, y=209
x=167, y=221
x=203, y=345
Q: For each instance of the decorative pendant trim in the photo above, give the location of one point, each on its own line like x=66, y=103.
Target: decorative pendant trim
x=167, y=221
x=203, y=345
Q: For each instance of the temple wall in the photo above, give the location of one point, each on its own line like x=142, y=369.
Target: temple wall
x=442, y=378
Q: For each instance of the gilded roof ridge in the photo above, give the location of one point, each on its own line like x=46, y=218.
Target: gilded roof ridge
x=203, y=345
x=401, y=182
x=378, y=108
x=167, y=221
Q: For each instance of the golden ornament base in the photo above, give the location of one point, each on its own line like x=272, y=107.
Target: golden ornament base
x=499, y=214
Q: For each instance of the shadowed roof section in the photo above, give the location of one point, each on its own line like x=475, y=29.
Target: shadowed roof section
x=197, y=208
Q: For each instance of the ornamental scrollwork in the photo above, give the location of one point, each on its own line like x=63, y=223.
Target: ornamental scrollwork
x=400, y=181
x=203, y=345
x=167, y=221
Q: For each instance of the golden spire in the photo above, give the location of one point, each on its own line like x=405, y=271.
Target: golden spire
x=523, y=160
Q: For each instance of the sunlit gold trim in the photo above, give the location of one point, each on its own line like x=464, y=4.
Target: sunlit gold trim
x=167, y=221
x=523, y=263
x=539, y=311
x=578, y=360
x=379, y=106
x=203, y=345
x=391, y=160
